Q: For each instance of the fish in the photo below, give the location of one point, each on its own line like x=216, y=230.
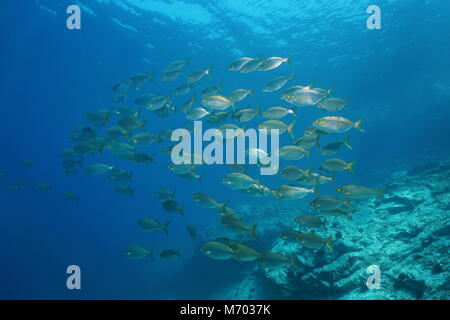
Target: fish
x=212, y=90
x=196, y=114
x=239, y=95
x=143, y=139
x=245, y=115
x=176, y=65
x=170, y=76
x=99, y=118
x=292, y=152
x=192, y=231
x=72, y=164
x=275, y=113
x=164, y=194
x=140, y=157
x=98, y=168
x=157, y=103
x=251, y=65
x=307, y=142
x=169, y=254
x=352, y=192
x=136, y=251
x=276, y=260
x=311, y=221
x=277, y=125
x=334, y=147
x=314, y=179
x=192, y=175
x=339, y=212
x=237, y=225
x=172, y=206
x=332, y=104
x=217, y=117
x=130, y=124
x=153, y=225
x=217, y=250
x=325, y=203
x=277, y=83
x=313, y=241
x=226, y=211
x=304, y=96
x=258, y=190
x=145, y=99
x=206, y=201
x=27, y=163
x=119, y=98
x=238, y=181
x=197, y=75
x=244, y=253
x=217, y=102
x=273, y=63
x=69, y=154
x=239, y=63
x=43, y=187
x=71, y=196
x=294, y=173
x=187, y=105
x=116, y=133
x=182, y=90
x=290, y=192
x=180, y=169
x=124, y=190
x=335, y=165
x=337, y=124
x=87, y=148
x=121, y=149
x=290, y=235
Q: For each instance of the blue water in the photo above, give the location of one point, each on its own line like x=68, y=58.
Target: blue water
x=397, y=78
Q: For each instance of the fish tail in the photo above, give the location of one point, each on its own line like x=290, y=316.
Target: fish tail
x=330, y=91
x=251, y=231
x=350, y=166
x=379, y=193
x=150, y=253
x=307, y=172
x=294, y=111
x=80, y=162
x=292, y=76
x=132, y=192
x=276, y=195
x=290, y=128
x=289, y=59
x=222, y=206
x=314, y=189
x=358, y=124
x=346, y=143
x=329, y=243
x=293, y=263
x=308, y=153
x=325, y=224
x=165, y=226
x=208, y=71
x=349, y=205
x=347, y=214
x=143, y=124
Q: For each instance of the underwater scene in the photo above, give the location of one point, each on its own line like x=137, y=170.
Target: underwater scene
x=225, y=150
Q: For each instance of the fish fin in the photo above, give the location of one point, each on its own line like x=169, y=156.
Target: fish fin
x=165, y=226
x=307, y=172
x=346, y=143
x=325, y=224
x=350, y=166
x=290, y=128
x=251, y=231
x=358, y=125
x=329, y=243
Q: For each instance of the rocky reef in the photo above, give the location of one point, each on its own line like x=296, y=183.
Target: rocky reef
x=406, y=234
